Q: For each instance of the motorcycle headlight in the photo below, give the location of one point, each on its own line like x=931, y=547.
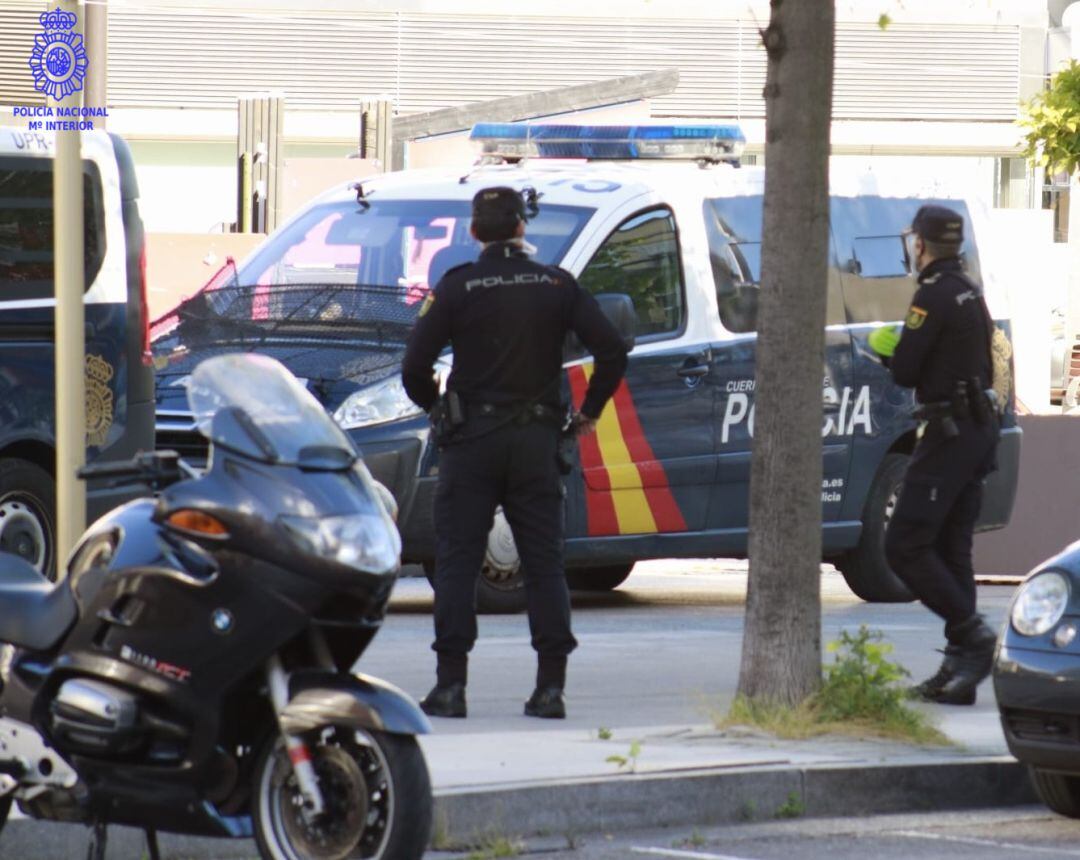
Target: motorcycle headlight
x=376, y=404
x=1040, y=603
x=366, y=541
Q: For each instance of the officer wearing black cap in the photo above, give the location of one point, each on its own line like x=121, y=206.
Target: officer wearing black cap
x=944, y=353
x=506, y=318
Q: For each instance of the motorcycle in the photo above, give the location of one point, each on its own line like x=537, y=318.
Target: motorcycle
x=191, y=672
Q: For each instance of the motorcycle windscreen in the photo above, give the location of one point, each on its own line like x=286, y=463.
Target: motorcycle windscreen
x=251, y=404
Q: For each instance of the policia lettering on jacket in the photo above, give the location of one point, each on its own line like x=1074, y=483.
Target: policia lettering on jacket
x=498, y=426
x=944, y=352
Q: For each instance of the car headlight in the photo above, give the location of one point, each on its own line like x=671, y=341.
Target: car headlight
x=367, y=542
x=1040, y=603
x=376, y=404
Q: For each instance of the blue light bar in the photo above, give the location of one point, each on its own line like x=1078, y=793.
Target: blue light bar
x=617, y=142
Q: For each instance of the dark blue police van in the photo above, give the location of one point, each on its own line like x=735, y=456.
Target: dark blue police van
x=661, y=214
x=119, y=379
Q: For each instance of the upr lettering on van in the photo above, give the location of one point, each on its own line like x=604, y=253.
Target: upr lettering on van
x=854, y=413
x=503, y=281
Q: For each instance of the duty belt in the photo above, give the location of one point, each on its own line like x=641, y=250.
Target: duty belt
x=521, y=413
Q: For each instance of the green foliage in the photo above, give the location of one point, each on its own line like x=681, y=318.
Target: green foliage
x=496, y=846
x=862, y=695
x=604, y=733
x=694, y=840
x=884, y=21
x=628, y=761
x=1052, y=121
x=793, y=807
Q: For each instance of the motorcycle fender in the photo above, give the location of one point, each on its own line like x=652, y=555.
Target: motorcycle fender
x=318, y=699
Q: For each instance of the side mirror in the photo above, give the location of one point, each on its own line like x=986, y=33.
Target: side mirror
x=617, y=307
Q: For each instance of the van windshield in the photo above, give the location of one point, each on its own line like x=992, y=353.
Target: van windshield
x=406, y=244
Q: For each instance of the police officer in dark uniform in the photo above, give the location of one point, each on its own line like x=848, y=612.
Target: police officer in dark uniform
x=498, y=428
x=944, y=353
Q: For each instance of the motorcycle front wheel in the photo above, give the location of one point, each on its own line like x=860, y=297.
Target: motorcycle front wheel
x=376, y=790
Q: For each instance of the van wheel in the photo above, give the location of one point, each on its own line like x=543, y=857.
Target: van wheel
x=28, y=514
x=864, y=567
x=605, y=578
x=499, y=591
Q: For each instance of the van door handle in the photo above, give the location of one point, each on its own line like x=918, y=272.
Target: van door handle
x=694, y=371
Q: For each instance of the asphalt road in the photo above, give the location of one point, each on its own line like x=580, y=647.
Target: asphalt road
x=982, y=835
x=662, y=649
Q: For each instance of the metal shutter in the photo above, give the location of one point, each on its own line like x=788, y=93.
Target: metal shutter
x=205, y=59
x=201, y=59
x=18, y=26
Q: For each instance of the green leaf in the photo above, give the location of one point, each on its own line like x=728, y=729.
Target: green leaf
x=884, y=21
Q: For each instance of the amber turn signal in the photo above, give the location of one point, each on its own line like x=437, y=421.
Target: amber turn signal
x=196, y=522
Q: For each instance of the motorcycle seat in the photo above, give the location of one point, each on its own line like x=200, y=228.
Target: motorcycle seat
x=34, y=613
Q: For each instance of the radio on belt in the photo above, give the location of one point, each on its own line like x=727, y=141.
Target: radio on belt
x=513, y=141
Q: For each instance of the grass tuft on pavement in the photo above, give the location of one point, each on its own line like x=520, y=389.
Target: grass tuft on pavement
x=862, y=696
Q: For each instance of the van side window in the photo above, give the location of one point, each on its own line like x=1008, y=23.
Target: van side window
x=868, y=231
x=641, y=259
x=26, y=227
x=733, y=227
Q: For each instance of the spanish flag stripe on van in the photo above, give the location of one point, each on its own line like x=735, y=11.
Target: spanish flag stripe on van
x=626, y=489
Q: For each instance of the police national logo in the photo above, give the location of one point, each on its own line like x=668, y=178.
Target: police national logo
x=58, y=60
x=916, y=317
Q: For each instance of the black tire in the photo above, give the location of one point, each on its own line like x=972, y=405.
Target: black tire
x=504, y=596
x=864, y=567
x=28, y=513
x=396, y=824
x=605, y=578
x=5, y=809
x=1059, y=791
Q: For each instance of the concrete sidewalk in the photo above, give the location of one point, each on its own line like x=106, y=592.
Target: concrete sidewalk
x=542, y=782
x=551, y=782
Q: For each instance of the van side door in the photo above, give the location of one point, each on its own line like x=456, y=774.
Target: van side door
x=649, y=467
x=734, y=228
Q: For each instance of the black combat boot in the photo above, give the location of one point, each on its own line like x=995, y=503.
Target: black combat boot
x=974, y=642
x=547, y=703
x=445, y=701
x=929, y=689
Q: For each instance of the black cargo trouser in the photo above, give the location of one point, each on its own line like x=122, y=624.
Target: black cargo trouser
x=513, y=465
x=929, y=539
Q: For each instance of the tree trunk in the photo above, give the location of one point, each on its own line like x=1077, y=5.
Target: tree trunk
x=781, y=656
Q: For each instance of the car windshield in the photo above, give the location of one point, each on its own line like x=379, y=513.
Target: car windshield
x=407, y=244
x=251, y=404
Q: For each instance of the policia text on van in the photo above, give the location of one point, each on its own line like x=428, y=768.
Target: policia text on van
x=659, y=214
x=119, y=383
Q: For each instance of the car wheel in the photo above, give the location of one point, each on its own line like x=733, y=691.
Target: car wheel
x=1059, y=791
x=28, y=514
x=865, y=569
x=605, y=578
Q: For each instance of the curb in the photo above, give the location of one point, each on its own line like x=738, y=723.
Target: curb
x=626, y=802
x=701, y=798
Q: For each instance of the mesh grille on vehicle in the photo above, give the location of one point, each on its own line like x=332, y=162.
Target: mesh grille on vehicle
x=323, y=331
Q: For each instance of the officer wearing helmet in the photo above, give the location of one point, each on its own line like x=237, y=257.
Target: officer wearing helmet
x=498, y=427
x=943, y=351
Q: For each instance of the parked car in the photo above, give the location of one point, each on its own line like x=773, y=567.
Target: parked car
x=1037, y=679
x=664, y=215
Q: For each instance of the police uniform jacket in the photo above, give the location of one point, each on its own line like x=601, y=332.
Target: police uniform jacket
x=946, y=337
x=506, y=317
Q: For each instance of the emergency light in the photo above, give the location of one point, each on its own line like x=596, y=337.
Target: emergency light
x=616, y=142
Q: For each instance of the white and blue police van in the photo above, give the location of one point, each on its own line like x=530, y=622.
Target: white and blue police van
x=119, y=377
x=662, y=214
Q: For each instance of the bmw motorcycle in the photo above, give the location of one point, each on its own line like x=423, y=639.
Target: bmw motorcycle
x=191, y=673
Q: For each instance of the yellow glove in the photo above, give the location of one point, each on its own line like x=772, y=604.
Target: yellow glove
x=883, y=340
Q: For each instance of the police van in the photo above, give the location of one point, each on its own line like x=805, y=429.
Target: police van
x=119, y=378
x=664, y=215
